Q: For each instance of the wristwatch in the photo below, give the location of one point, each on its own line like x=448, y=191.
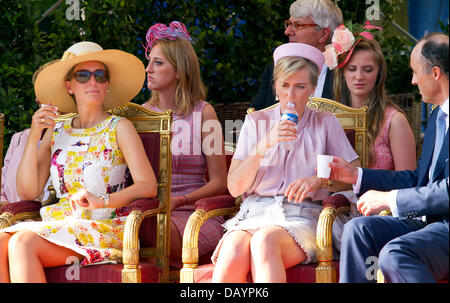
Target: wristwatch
x=105, y=199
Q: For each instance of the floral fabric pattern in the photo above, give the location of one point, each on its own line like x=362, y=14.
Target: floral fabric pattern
x=91, y=159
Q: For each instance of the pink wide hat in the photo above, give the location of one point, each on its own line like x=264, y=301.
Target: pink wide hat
x=299, y=50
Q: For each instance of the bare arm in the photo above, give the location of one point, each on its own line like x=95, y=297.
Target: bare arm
x=144, y=180
x=401, y=140
x=242, y=173
x=34, y=167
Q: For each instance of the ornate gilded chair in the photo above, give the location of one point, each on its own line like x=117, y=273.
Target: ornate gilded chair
x=354, y=122
x=147, y=229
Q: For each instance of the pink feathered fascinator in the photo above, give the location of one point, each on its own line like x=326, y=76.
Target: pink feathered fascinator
x=159, y=31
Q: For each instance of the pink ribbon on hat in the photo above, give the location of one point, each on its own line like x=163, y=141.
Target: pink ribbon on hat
x=159, y=31
x=299, y=50
x=349, y=54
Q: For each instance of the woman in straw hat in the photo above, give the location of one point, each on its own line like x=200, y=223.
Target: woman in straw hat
x=173, y=76
x=86, y=158
x=275, y=227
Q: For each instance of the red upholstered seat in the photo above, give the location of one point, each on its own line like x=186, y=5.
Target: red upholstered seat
x=305, y=273
x=103, y=273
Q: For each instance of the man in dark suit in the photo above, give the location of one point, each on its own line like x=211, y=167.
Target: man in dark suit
x=311, y=22
x=413, y=244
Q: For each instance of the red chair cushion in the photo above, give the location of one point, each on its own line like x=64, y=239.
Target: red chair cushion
x=215, y=202
x=350, y=133
x=302, y=273
x=103, y=273
x=335, y=201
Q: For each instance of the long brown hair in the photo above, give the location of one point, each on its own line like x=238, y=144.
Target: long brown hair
x=190, y=88
x=377, y=101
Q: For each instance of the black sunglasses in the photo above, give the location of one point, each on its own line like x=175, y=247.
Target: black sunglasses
x=83, y=76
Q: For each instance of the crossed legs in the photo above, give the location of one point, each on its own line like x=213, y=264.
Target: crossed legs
x=408, y=250
x=267, y=253
x=24, y=255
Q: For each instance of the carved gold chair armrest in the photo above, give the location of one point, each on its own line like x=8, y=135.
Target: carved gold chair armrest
x=52, y=196
x=332, y=206
x=17, y=211
x=140, y=209
x=224, y=205
x=380, y=277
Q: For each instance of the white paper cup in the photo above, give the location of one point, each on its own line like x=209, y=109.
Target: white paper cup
x=51, y=107
x=323, y=170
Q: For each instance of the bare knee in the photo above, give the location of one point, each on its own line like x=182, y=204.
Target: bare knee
x=264, y=244
x=4, y=242
x=22, y=243
x=235, y=249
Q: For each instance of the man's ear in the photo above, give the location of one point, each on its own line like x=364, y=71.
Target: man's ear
x=436, y=72
x=325, y=35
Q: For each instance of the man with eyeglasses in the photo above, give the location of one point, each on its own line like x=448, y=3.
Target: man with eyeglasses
x=311, y=22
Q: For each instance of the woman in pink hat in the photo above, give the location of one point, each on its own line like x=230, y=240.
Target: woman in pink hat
x=275, y=227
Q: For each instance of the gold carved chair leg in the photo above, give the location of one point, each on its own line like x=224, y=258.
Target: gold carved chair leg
x=325, y=270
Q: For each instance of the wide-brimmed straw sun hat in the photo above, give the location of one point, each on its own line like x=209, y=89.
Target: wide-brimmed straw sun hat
x=126, y=76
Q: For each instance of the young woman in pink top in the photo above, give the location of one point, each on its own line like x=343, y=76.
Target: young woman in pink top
x=360, y=80
x=173, y=76
x=275, y=227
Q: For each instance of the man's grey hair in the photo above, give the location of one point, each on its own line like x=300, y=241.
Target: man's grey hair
x=324, y=13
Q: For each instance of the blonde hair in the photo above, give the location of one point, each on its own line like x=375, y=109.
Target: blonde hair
x=287, y=66
x=377, y=101
x=190, y=88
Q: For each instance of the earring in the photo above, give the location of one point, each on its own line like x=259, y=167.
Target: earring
x=107, y=91
x=277, y=98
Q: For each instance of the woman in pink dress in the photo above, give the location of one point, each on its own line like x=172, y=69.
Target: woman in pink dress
x=275, y=227
x=173, y=76
x=9, y=170
x=359, y=81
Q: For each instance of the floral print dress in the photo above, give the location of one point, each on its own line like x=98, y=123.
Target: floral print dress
x=91, y=159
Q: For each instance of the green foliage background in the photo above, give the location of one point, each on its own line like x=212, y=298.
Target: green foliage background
x=234, y=40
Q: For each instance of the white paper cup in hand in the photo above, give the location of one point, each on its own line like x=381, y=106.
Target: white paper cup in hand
x=51, y=107
x=323, y=170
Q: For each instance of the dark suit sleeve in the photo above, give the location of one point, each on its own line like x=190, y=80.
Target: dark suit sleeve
x=327, y=91
x=426, y=200
x=385, y=180
x=265, y=96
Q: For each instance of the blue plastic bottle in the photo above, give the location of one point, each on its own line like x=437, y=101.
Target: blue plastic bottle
x=291, y=114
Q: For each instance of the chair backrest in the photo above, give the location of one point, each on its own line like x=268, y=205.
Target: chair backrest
x=2, y=123
x=353, y=121
x=154, y=129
